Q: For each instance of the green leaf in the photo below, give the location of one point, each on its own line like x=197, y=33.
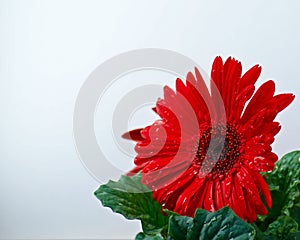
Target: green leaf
x=295, y=214
x=282, y=227
x=283, y=218
x=178, y=226
x=143, y=236
x=294, y=236
x=261, y=235
x=284, y=183
x=133, y=200
x=222, y=224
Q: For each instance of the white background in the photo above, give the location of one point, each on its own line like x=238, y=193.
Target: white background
x=47, y=50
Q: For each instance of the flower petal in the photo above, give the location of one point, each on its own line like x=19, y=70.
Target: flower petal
x=194, y=192
x=250, y=77
x=226, y=189
x=208, y=200
x=134, y=135
x=262, y=96
x=239, y=198
x=262, y=186
x=218, y=198
x=251, y=191
x=232, y=74
x=283, y=100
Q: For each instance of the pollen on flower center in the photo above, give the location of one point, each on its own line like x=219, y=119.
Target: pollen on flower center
x=218, y=149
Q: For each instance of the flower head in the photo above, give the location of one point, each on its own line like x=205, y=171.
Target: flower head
x=209, y=147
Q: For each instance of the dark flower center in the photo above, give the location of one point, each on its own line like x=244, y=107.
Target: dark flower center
x=218, y=150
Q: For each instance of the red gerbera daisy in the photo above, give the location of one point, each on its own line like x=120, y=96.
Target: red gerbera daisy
x=209, y=147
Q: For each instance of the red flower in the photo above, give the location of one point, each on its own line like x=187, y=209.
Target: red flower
x=208, y=148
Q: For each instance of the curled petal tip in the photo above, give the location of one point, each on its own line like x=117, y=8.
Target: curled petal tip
x=133, y=135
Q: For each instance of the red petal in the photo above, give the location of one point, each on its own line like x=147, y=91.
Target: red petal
x=271, y=157
x=216, y=84
x=168, y=195
x=134, y=135
x=262, y=96
x=251, y=214
x=184, y=205
x=258, y=149
x=226, y=189
x=183, y=111
x=262, y=186
x=235, y=203
x=208, y=200
x=193, y=96
x=262, y=163
x=272, y=128
x=218, y=199
x=199, y=105
x=201, y=86
x=283, y=100
x=217, y=72
x=258, y=122
x=136, y=169
x=250, y=77
x=166, y=113
x=241, y=100
x=239, y=198
x=198, y=200
x=251, y=191
x=232, y=74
